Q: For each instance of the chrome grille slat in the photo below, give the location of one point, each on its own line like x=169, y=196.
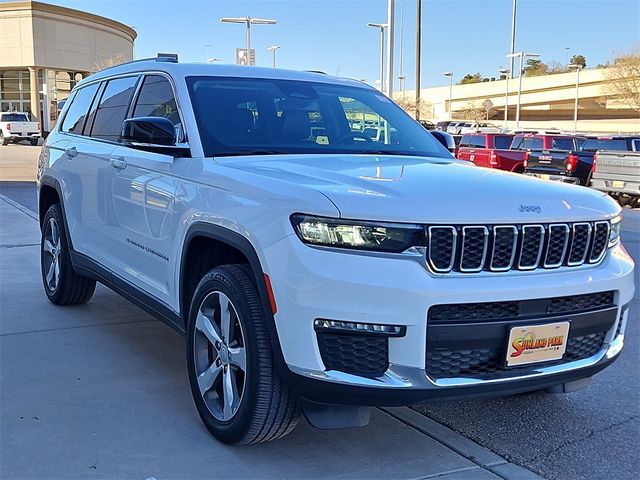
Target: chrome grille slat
x=470, y=261
x=580, y=243
x=531, y=243
x=437, y=248
x=557, y=238
x=501, y=248
x=505, y=241
x=599, y=241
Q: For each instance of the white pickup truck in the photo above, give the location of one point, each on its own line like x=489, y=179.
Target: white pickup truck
x=16, y=126
x=618, y=174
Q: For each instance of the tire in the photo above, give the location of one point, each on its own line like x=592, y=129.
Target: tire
x=34, y=142
x=261, y=408
x=62, y=284
x=3, y=140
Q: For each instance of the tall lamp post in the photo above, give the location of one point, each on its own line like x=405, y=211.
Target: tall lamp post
x=513, y=34
x=381, y=26
x=521, y=56
x=248, y=21
x=273, y=49
x=390, y=46
x=450, y=75
x=578, y=67
x=418, y=54
x=506, y=73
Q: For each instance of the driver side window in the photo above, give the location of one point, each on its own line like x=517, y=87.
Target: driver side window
x=156, y=99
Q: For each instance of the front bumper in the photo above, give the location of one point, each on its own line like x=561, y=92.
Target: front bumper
x=311, y=283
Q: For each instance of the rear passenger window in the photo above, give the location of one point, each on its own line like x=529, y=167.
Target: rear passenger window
x=477, y=141
x=562, y=144
x=156, y=99
x=502, y=142
x=112, y=109
x=74, y=119
x=531, y=144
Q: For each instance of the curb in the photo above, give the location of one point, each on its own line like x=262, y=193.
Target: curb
x=20, y=207
x=481, y=456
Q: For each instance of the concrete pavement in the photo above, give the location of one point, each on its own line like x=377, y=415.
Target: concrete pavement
x=100, y=391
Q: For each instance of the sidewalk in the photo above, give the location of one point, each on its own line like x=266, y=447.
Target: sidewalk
x=100, y=391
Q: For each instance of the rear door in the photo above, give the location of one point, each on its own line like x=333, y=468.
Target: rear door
x=142, y=197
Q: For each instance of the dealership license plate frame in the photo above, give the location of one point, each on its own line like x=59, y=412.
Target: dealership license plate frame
x=545, y=176
x=540, y=355
x=618, y=184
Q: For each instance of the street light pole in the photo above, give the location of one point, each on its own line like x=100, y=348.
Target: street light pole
x=575, y=105
x=450, y=75
x=505, y=72
x=273, y=49
x=513, y=34
x=381, y=26
x=418, y=54
x=248, y=21
x=390, y=46
x=521, y=56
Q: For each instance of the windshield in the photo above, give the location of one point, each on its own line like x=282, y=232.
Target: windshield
x=245, y=116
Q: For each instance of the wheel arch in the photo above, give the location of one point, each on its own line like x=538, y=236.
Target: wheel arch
x=230, y=247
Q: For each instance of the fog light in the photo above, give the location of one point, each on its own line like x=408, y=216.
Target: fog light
x=338, y=326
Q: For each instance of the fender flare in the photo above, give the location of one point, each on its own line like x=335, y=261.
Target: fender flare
x=243, y=245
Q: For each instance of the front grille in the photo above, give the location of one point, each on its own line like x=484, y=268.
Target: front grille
x=521, y=309
x=489, y=363
x=357, y=354
x=474, y=248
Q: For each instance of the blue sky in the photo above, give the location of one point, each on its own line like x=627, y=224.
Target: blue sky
x=331, y=35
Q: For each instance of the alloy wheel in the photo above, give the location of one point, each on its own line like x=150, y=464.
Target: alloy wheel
x=52, y=249
x=219, y=355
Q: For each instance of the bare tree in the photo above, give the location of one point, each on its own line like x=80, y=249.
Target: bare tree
x=109, y=62
x=477, y=112
x=410, y=106
x=624, y=78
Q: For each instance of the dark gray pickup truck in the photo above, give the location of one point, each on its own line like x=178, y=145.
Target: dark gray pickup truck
x=618, y=173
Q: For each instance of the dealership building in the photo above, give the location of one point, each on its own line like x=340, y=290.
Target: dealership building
x=46, y=49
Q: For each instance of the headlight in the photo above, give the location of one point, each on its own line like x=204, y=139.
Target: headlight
x=379, y=237
x=614, y=233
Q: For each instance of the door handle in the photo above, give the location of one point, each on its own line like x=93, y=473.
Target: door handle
x=71, y=152
x=118, y=162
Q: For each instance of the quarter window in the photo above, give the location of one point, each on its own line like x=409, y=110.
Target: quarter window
x=502, y=142
x=156, y=99
x=112, y=109
x=74, y=119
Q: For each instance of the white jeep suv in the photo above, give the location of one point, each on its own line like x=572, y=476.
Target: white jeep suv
x=312, y=269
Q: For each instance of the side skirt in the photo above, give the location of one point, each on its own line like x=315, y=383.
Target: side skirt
x=84, y=265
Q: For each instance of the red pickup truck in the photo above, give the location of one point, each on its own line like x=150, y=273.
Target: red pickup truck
x=506, y=151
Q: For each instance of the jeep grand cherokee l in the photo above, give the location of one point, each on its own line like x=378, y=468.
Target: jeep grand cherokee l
x=321, y=273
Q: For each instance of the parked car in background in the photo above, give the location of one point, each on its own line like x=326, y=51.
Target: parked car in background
x=618, y=174
x=17, y=126
x=576, y=164
x=456, y=127
x=443, y=125
x=427, y=124
x=480, y=127
x=490, y=150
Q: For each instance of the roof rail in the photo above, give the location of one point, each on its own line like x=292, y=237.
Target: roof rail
x=317, y=71
x=150, y=59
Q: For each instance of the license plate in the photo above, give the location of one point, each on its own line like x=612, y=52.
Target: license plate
x=537, y=343
x=618, y=184
x=544, y=176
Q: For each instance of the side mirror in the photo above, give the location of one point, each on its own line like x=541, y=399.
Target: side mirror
x=445, y=139
x=156, y=134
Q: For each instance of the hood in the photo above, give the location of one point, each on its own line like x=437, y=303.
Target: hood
x=430, y=190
